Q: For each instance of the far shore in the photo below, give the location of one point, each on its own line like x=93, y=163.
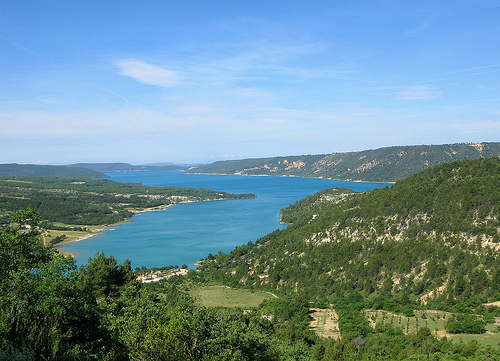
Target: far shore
x=294, y=176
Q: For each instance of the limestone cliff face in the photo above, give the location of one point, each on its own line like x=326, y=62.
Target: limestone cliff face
x=376, y=165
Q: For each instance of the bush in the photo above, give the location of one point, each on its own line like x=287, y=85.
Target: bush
x=408, y=311
x=465, y=323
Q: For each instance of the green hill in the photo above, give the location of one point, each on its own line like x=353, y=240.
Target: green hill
x=85, y=201
x=31, y=170
x=433, y=236
x=376, y=165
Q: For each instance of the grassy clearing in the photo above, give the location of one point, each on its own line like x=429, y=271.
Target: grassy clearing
x=435, y=321
x=325, y=322
x=71, y=236
x=223, y=296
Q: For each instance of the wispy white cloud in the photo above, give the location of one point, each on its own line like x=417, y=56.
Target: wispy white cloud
x=118, y=95
x=417, y=29
x=40, y=124
x=251, y=93
x=418, y=92
x=479, y=127
x=28, y=51
x=463, y=73
x=149, y=74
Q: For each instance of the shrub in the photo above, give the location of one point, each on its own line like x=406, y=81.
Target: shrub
x=465, y=323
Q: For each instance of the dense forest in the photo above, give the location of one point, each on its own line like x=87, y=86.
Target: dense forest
x=84, y=201
x=426, y=246
x=377, y=165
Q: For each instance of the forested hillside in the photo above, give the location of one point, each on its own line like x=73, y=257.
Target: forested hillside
x=85, y=201
x=31, y=170
x=376, y=165
x=426, y=246
x=433, y=236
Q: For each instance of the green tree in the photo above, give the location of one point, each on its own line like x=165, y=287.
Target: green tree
x=44, y=310
x=21, y=247
x=105, y=276
x=465, y=323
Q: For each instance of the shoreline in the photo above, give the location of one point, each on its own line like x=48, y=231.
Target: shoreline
x=292, y=176
x=96, y=232
x=101, y=228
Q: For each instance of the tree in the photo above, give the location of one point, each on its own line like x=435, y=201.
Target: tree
x=465, y=323
x=44, y=310
x=105, y=276
x=21, y=247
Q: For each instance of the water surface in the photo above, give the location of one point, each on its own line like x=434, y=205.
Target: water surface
x=186, y=233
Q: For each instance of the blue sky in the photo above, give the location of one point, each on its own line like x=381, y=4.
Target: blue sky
x=199, y=81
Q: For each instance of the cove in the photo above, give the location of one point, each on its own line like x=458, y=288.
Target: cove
x=188, y=232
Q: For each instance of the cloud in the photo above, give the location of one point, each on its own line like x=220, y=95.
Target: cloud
x=479, y=127
x=29, y=51
x=129, y=121
x=418, y=92
x=251, y=93
x=416, y=30
x=149, y=73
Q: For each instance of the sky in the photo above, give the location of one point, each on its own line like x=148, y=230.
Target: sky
x=199, y=81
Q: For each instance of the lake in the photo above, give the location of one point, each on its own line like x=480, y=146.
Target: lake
x=188, y=232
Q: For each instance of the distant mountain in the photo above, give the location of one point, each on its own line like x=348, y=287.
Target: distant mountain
x=161, y=164
x=388, y=164
x=31, y=170
x=125, y=167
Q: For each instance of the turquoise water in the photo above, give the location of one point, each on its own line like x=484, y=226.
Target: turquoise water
x=186, y=233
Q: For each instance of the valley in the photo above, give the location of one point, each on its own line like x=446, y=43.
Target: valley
x=408, y=271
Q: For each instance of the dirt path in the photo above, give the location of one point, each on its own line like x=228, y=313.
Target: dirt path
x=497, y=303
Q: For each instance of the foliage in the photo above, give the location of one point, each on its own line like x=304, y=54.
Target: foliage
x=85, y=201
x=43, y=309
x=418, y=244
x=315, y=204
x=19, y=249
x=105, y=277
x=425, y=236
x=465, y=323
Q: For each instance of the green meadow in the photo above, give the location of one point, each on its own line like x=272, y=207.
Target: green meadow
x=435, y=321
x=223, y=296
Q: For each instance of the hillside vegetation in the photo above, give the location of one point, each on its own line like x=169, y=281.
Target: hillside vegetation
x=433, y=236
x=84, y=201
x=31, y=170
x=377, y=165
x=384, y=274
